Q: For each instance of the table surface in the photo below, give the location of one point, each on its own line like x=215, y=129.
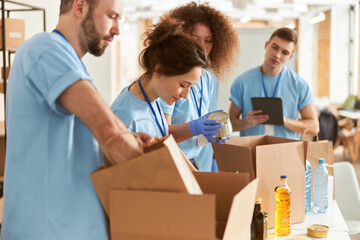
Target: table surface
x=353, y=114
x=333, y=218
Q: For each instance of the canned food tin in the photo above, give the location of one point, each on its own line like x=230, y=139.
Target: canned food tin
x=223, y=118
x=317, y=231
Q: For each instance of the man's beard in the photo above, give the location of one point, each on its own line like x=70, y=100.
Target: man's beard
x=89, y=37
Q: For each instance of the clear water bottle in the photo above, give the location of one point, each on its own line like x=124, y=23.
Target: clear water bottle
x=283, y=208
x=321, y=177
x=308, y=187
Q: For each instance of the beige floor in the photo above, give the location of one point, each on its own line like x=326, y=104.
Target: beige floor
x=339, y=157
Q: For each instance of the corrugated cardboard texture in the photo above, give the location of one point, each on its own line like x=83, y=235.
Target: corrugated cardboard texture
x=144, y=215
x=225, y=186
x=157, y=170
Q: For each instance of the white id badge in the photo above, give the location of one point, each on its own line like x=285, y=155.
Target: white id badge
x=269, y=129
x=201, y=141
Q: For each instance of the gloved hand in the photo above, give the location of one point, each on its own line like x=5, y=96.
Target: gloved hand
x=204, y=126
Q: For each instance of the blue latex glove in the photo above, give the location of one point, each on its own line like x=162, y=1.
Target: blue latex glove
x=204, y=126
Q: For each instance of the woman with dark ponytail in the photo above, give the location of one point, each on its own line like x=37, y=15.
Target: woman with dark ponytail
x=214, y=31
x=172, y=62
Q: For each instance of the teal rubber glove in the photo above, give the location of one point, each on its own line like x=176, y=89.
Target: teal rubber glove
x=204, y=126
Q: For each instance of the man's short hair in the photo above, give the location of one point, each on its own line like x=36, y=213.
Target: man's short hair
x=286, y=34
x=65, y=5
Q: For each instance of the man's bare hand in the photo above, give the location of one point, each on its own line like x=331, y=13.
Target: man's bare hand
x=254, y=118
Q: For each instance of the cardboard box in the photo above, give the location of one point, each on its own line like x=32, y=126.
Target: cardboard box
x=148, y=198
x=162, y=167
x=267, y=158
x=149, y=215
x=14, y=33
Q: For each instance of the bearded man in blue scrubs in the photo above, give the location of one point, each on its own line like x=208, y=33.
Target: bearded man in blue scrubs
x=59, y=128
x=272, y=79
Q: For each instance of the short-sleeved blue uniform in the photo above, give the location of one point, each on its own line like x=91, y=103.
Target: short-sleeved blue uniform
x=292, y=89
x=185, y=110
x=48, y=193
x=137, y=115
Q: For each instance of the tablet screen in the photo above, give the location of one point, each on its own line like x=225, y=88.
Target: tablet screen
x=271, y=107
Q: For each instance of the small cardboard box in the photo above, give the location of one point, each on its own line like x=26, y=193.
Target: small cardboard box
x=267, y=158
x=149, y=215
x=14, y=33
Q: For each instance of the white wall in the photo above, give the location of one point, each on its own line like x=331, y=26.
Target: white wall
x=110, y=80
x=340, y=81
x=100, y=68
x=252, y=52
x=339, y=61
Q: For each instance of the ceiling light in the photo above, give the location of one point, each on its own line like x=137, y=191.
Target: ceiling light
x=245, y=19
x=291, y=26
x=318, y=18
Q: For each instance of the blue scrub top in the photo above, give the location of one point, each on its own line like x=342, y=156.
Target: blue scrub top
x=48, y=193
x=185, y=110
x=293, y=90
x=136, y=114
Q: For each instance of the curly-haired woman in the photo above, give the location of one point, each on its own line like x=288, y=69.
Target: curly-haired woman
x=214, y=31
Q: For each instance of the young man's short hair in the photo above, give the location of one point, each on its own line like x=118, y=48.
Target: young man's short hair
x=286, y=34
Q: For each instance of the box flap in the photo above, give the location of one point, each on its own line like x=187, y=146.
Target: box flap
x=233, y=158
x=225, y=186
x=275, y=140
x=163, y=169
x=238, y=225
x=161, y=215
x=274, y=161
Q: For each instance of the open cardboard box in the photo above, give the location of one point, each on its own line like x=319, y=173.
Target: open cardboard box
x=267, y=158
x=150, y=215
x=148, y=198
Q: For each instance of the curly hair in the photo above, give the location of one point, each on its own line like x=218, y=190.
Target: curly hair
x=226, y=48
x=168, y=46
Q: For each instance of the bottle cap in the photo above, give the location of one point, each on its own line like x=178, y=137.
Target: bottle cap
x=317, y=231
x=258, y=200
x=283, y=176
x=321, y=160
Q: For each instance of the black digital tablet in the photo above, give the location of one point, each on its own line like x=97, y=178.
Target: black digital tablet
x=271, y=107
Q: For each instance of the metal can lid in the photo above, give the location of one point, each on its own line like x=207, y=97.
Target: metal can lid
x=219, y=116
x=317, y=230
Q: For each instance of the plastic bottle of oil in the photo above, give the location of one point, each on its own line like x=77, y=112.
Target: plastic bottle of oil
x=283, y=208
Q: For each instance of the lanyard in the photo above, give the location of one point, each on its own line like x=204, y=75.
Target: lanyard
x=62, y=35
x=162, y=129
x=198, y=107
x=277, y=83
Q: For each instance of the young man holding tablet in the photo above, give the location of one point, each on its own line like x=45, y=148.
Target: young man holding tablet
x=272, y=79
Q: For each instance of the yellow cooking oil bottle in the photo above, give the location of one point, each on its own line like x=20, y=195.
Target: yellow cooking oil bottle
x=283, y=208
